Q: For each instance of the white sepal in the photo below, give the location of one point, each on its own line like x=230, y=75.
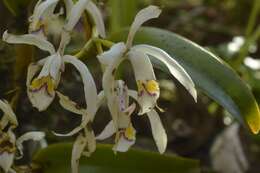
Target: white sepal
x=90, y=89
x=141, y=17
x=114, y=52
x=30, y=39
x=174, y=67
x=96, y=15
x=75, y=14
x=158, y=131
x=35, y=136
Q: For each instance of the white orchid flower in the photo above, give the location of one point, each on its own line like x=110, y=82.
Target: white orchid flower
x=42, y=15
x=121, y=124
x=8, y=142
x=41, y=90
x=125, y=134
x=139, y=56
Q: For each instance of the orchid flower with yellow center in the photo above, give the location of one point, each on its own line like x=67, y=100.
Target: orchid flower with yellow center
x=41, y=89
x=148, y=90
x=139, y=56
x=8, y=142
x=125, y=133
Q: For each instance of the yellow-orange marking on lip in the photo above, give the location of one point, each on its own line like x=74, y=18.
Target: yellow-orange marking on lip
x=46, y=82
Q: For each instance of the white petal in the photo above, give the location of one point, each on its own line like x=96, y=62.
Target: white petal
x=35, y=136
x=141, y=17
x=158, y=131
x=6, y=161
x=117, y=50
x=144, y=73
x=108, y=84
x=8, y=112
x=107, y=132
x=29, y=39
x=48, y=66
x=68, y=4
x=97, y=18
x=78, y=147
x=69, y=105
x=174, y=67
x=42, y=11
x=75, y=14
x=89, y=85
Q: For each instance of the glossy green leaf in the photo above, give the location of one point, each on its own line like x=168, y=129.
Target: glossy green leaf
x=210, y=74
x=56, y=159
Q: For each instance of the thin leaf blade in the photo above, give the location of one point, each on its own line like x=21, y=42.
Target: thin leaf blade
x=56, y=159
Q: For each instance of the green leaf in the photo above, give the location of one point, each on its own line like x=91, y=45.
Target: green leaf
x=56, y=159
x=210, y=74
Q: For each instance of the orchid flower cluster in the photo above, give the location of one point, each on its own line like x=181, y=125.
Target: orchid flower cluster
x=42, y=88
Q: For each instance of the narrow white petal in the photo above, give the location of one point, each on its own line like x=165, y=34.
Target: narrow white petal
x=144, y=73
x=90, y=89
x=6, y=161
x=97, y=18
x=107, y=132
x=174, y=67
x=35, y=136
x=75, y=14
x=29, y=39
x=68, y=4
x=158, y=131
x=142, y=65
x=8, y=112
x=115, y=51
x=108, y=84
x=42, y=11
x=47, y=66
x=69, y=105
x=78, y=148
x=141, y=17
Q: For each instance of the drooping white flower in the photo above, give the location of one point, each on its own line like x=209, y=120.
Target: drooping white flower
x=121, y=123
x=147, y=86
x=139, y=56
x=41, y=89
